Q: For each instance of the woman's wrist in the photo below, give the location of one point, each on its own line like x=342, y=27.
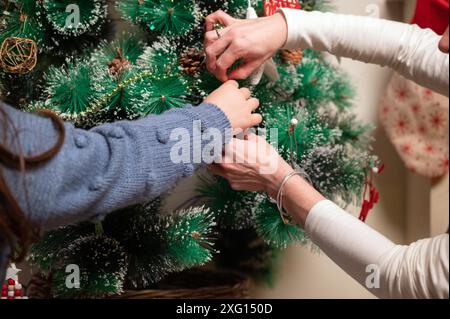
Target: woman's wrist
x=299, y=196
x=281, y=27
x=273, y=181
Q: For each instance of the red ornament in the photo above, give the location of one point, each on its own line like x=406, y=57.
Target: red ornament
x=4, y=293
x=4, y=287
x=271, y=6
x=374, y=195
x=18, y=293
x=11, y=282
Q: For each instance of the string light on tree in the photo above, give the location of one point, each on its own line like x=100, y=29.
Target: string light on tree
x=294, y=123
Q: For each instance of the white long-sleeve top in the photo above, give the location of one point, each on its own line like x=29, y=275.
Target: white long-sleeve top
x=420, y=270
x=411, y=51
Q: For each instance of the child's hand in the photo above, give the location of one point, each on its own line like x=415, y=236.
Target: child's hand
x=237, y=104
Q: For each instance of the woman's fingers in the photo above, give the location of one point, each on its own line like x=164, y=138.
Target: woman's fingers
x=222, y=51
x=213, y=36
x=220, y=56
x=214, y=51
x=225, y=61
x=244, y=71
x=217, y=17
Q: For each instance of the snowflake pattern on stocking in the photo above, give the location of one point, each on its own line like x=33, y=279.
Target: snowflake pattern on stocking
x=417, y=122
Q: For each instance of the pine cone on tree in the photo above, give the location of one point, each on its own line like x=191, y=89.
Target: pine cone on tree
x=294, y=57
x=117, y=65
x=192, y=60
x=39, y=287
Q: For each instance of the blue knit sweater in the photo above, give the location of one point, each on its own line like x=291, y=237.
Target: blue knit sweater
x=103, y=169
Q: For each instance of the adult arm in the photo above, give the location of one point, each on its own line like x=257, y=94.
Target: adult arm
x=411, y=51
x=419, y=270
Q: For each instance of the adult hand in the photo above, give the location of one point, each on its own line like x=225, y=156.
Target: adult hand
x=237, y=104
x=252, y=165
x=254, y=41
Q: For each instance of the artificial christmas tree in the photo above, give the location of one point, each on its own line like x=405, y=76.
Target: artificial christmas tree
x=149, y=72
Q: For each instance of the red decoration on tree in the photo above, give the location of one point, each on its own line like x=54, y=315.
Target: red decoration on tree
x=372, y=192
x=271, y=6
x=11, y=288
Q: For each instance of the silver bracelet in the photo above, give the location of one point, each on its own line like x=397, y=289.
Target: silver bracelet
x=285, y=217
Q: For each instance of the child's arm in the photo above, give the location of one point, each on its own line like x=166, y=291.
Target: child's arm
x=116, y=165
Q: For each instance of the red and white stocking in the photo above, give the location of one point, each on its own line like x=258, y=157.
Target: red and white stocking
x=417, y=122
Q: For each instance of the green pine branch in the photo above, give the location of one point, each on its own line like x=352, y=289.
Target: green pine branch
x=75, y=17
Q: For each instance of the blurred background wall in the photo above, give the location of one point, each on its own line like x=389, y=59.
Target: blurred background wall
x=411, y=207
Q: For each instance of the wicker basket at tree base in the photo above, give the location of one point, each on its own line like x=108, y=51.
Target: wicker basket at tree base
x=195, y=284
x=190, y=284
